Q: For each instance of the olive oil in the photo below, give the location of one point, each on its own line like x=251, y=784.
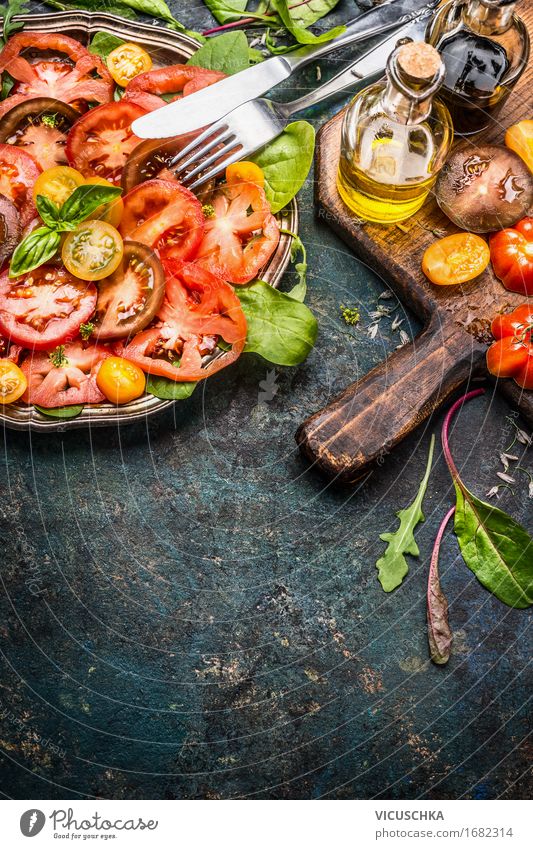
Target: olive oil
x=395, y=138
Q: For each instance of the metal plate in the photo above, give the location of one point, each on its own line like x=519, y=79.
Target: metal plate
x=166, y=47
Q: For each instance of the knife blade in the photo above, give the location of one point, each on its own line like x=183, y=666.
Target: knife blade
x=215, y=101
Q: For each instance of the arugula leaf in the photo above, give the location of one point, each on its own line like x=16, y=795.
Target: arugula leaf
x=299, y=291
x=83, y=202
x=282, y=330
x=103, y=43
x=392, y=566
x=298, y=31
x=226, y=12
x=36, y=249
x=7, y=13
x=113, y=7
x=228, y=53
x=497, y=549
x=169, y=390
x=439, y=633
x=61, y=412
x=286, y=162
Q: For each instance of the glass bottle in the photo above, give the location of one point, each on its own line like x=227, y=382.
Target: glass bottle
x=395, y=138
x=485, y=47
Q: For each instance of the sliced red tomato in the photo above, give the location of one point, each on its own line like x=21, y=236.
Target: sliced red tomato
x=179, y=80
x=101, y=140
x=45, y=307
x=241, y=235
x=84, y=77
x=60, y=386
x=18, y=173
x=199, y=309
x=166, y=217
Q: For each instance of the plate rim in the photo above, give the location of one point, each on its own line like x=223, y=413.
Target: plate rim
x=26, y=417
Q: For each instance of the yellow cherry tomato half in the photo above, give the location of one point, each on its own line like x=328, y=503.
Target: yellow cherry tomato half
x=126, y=62
x=456, y=259
x=245, y=172
x=93, y=250
x=110, y=212
x=57, y=183
x=519, y=138
x=13, y=382
x=120, y=380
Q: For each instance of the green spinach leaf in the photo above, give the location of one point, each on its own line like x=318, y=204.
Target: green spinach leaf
x=226, y=12
x=298, y=31
x=169, y=390
x=392, y=566
x=286, y=162
x=282, y=330
x=103, y=43
x=497, y=549
x=61, y=412
x=228, y=53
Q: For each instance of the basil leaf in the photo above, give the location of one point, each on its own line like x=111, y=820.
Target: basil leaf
x=61, y=412
x=439, y=632
x=280, y=329
x=286, y=162
x=83, y=202
x=169, y=390
x=103, y=43
x=227, y=53
x=392, y=566
x=497, y=549
x=226, y=12
x=48, y=211
x=34, y=250
x=302, y=35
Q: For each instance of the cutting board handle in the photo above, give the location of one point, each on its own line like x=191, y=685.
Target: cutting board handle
x=372, y=415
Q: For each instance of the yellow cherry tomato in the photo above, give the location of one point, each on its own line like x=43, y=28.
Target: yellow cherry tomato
x=120, y=380
x=519, y=138
x=126, y=62
x=456, y=259
x=57, y=183
x=13, y=382
x=245, y=172
x=110, y=212
x=93, y=250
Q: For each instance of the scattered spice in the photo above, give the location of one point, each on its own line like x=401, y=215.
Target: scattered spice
x=351, y=315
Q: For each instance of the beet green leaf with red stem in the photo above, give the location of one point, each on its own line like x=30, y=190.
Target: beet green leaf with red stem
x=439, y=633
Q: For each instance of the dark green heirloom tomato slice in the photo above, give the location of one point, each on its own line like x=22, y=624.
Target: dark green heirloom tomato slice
x=40, y=127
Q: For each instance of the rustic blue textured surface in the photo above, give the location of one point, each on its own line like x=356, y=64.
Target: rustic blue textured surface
x=187, y=611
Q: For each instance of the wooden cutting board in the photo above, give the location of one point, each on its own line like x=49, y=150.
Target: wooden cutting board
x=375, y=413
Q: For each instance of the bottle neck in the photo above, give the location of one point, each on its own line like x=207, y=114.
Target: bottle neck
x=489, y=17
x=404, y=109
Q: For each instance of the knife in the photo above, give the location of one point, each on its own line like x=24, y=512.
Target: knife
x=211, y=103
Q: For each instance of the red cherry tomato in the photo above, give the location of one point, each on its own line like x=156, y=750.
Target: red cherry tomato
x=101, y=140
x=44, y=307
x=512, y=353
x=72, y=383
x=199, y=309
x=146, y=89
x=18, y=173
x=511, y=253
x=166, y=217
x=83, y=78
x=241, y=235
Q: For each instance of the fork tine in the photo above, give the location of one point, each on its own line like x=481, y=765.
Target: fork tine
x=205, y=163
x=217, y=169
x=215, y=128
x=199, y=154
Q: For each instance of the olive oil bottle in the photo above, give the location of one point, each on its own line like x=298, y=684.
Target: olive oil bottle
x=485, y=48
x=395, y=138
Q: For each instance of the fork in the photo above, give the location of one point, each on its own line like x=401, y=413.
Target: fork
x=248, y=128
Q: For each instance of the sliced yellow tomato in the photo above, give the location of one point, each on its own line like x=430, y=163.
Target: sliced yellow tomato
x=245, y=172
x=110, y=212
x=13, y=383
x=519, y=138
x=456, y=259
x=57, y=183
x=93, y=250
x=126, y=62
x=120, y=381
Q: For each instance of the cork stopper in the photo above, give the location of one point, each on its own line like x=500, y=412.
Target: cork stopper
x=419, y=61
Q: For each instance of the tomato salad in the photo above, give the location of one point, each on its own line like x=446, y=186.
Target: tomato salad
x=110, y=269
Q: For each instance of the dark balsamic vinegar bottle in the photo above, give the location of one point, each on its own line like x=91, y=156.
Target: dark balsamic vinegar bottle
x=485, y=48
